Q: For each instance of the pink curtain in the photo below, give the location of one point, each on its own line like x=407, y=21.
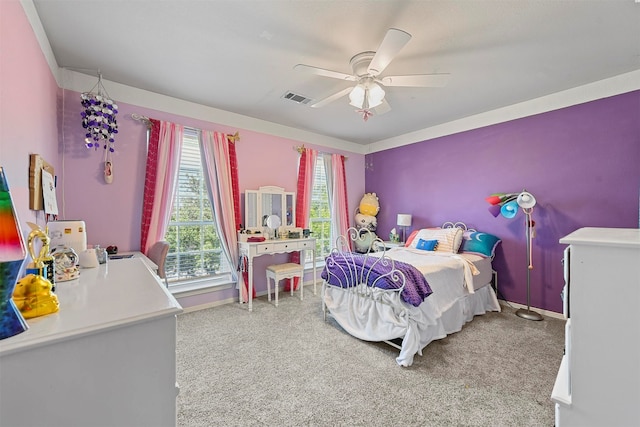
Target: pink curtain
x=163, y=162
x=219, y=170
x=338, y=198
x=233, y=164
x=304, y=189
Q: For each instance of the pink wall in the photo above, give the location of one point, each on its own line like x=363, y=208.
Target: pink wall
x=112, y=212
x=38, y=117
x=28, y=104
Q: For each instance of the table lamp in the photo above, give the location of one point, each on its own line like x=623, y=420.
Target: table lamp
x=404, y=221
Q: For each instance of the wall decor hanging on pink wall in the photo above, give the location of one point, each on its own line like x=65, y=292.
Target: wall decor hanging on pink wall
x=99, y=121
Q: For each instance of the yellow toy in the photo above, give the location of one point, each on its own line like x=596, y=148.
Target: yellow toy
x=33, y=296
x=369, y=204
x=33, y=293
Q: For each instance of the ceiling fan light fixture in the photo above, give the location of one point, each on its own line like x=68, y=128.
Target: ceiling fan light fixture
x=356, y=96
x=375, y=95
x=367, y=94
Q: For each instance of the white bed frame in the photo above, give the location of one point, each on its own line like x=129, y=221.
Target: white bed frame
x=345, y=245
x=383, y=299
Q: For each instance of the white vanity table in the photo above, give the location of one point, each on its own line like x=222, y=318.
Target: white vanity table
x=277, y=246
x=259, y=205
x=106, y=358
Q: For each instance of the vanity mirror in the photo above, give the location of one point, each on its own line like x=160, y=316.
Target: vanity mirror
x=266, y=202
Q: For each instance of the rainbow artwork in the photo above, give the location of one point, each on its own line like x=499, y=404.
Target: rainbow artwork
x=11, y=242
x=12, y=256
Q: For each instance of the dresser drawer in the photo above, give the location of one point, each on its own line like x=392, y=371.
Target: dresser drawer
x=285, y=246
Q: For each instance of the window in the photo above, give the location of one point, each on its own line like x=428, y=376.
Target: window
x=320, y=215
x=195, y=253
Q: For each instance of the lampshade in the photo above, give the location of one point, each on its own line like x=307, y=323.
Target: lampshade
x=495, y=210
x=494, y=199
x=376, y=95
x=356, y=96
x=366, y=94
x=404, y=220
x=526, y=200
x=509, y=209
x=499, y=198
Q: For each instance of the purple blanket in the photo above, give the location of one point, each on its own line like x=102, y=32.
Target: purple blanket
x=349, y=267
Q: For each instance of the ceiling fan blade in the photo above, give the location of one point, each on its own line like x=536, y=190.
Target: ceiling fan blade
x=332, y=98
x=417, y=80
x=323, y=72
x=392, y=43
x=382, y=108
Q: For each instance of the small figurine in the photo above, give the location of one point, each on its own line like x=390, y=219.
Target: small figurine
x=66, y=262
x=33, y=296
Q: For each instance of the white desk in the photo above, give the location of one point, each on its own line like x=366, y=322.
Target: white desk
x=277, y=246
x=108, y=357
x=135, y=254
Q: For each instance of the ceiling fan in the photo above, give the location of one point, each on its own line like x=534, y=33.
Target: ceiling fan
x=368, y=94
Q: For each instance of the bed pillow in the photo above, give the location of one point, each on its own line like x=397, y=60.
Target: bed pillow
x=412, y=236
x=427, y=245
x=449, y=239
x=478, y=243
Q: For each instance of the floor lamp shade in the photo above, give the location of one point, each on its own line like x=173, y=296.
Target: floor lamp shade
x=404, y=221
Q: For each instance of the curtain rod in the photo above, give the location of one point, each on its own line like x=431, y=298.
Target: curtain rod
x=301, y=148
x=141, y=118
x=144, y=119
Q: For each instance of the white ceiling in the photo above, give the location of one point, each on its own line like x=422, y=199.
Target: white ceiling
x=238, y=55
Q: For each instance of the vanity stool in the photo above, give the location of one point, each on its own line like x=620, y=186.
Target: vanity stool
x=278, y=272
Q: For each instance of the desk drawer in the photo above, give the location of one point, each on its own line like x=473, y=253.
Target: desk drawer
x=307, y=244
x=285, y=246
x=264, y=248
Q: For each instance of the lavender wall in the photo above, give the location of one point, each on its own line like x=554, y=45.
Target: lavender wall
x=582, y=163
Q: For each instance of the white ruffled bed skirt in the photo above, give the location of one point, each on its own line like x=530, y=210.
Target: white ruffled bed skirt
x=389, y=318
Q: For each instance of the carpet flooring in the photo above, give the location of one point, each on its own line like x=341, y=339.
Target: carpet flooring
x=286, y=366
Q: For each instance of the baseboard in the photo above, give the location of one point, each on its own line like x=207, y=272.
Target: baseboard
x=542, y=312
x=233, y=300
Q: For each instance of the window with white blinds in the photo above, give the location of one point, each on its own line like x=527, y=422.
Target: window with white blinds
x=195, y=252
x=320, y=214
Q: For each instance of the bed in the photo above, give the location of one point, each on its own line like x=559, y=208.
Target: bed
x=412, y=295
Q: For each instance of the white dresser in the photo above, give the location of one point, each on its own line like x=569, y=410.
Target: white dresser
x=107, y=358
x=598, y=383
x=275, y=246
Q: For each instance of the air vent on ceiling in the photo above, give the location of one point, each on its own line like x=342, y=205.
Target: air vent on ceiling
x=296, y=98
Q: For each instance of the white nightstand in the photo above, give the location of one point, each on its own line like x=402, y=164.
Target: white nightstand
x=388, y=245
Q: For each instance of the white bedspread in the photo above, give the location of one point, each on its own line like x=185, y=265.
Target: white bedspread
x=452, y=304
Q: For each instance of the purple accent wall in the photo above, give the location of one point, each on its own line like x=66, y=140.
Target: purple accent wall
x=582, y=163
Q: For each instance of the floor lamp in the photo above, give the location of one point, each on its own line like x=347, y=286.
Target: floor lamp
x=526, y=201
x=508, y=207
